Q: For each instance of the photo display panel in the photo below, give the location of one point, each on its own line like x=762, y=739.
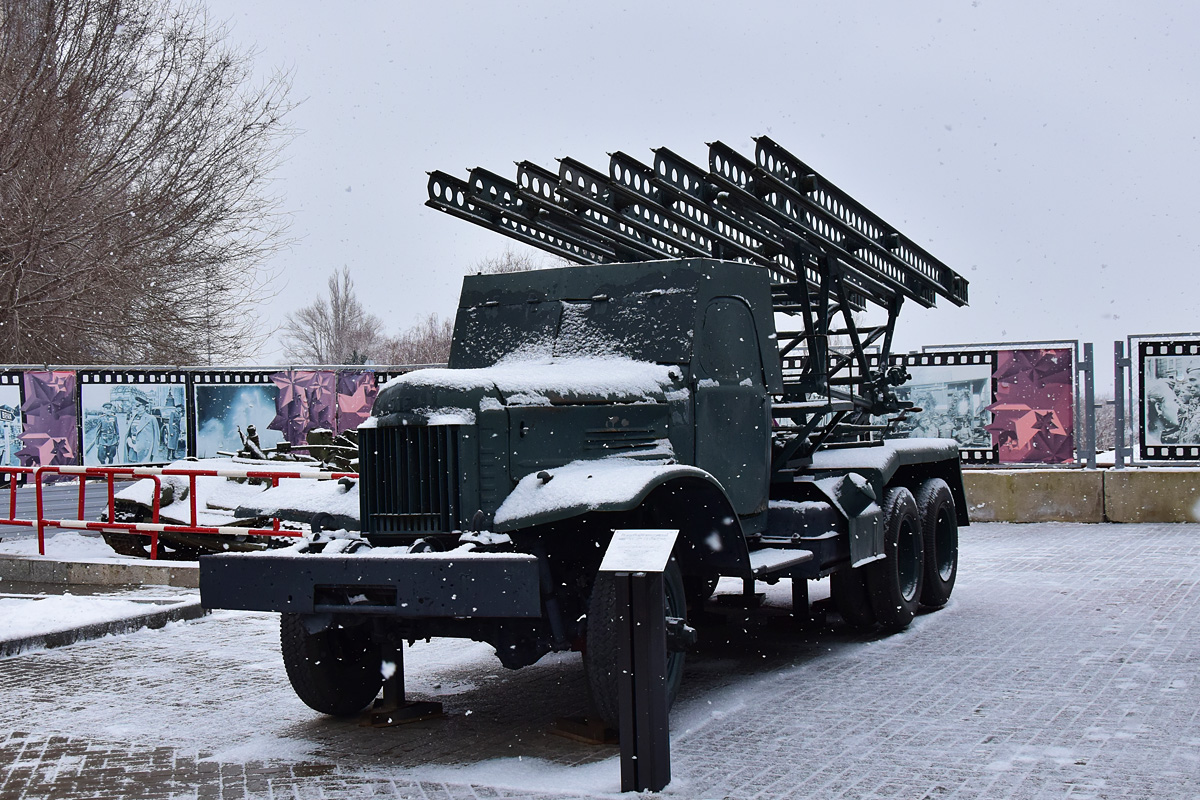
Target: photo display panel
x=231, y=407
x=1033, y=416
x=1003, y=405
x=133, y=417
x=11, y=426
x=1169, y=399
x=356, y=393
x=954, y=392
x=306, y=400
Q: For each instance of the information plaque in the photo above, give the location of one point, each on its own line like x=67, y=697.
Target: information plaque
x=638, y=550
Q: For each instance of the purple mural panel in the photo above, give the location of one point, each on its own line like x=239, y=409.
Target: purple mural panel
x=1033, y=420
x=356, y=393
x=307, y=400
x=51, y=433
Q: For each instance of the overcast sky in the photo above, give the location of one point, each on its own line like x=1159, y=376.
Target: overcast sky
x=1046, y=151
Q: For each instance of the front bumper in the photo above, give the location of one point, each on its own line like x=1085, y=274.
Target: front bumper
x=415, y=585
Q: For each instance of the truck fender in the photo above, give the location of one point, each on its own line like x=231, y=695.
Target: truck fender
x=672, y=495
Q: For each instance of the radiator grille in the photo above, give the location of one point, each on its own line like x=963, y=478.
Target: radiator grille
x=409, y=478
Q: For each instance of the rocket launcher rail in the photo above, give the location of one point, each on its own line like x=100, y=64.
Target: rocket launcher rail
x=774, y=211
x=827, y=254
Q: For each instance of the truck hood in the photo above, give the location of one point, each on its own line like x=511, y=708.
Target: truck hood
x=430, y=393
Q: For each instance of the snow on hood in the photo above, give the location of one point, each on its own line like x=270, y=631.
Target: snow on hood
x=535, y=376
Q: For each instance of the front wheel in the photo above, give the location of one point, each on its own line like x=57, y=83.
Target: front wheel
x=600, y=655
x=335, y=671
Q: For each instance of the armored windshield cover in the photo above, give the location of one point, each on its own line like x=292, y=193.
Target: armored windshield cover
x=646, y=312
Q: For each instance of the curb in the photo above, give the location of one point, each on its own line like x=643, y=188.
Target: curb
x=44, y=569
x=155, y=619
x=1163, y=494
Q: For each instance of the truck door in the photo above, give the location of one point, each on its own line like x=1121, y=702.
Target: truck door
x=733, y=417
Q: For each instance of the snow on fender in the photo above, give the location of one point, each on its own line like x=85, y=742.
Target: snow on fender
x=611, y=484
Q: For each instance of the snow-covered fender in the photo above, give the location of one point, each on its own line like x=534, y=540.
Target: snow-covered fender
x=673, y=495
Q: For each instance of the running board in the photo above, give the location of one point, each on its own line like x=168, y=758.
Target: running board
x=776, y=559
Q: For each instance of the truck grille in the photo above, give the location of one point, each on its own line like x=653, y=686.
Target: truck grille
x=409, y=479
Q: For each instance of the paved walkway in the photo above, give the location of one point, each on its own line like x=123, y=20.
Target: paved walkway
x=1065, y=666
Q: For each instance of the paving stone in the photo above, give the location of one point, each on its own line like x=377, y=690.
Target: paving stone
x=1064, y=666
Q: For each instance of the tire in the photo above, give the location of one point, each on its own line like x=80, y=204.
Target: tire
x=320, y=522
x=939, y=527
x=335, y=671
x=848, y=588
x=895, y=582
x=600, y=654
x=138, y=546
x=128, y=544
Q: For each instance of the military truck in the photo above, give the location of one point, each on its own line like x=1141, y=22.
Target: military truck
x=685, y=375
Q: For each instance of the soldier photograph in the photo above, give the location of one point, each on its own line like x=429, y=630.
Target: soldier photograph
x=953, y=401
x=1171, y=400
x=133, y=424
x=225, y=413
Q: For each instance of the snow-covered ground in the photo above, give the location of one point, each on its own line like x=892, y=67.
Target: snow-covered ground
x=24, y=615
x=64, y=546
x=1049, y=672
x=35, y=610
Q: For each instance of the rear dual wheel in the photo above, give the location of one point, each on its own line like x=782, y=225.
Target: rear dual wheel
x=920, y=567
x=894, y=582
x=939, y=527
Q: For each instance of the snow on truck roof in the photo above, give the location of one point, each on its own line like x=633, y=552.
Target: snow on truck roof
x=534, y=374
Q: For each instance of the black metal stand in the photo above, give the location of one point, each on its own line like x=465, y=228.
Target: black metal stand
x=642, y=682
x=800, y=605
x=393, y=709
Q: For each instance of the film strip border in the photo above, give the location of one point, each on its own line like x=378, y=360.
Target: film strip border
x=115, y=378
x=960, y=358
x=165, y=446
x=1163, y=348
x=794, y=365
x=1154, y=452
x=232, y=377
x=10, y=415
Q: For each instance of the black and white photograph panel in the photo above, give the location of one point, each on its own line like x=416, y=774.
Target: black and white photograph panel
x=133, y=423
x=1171, y=400
x=953, y=400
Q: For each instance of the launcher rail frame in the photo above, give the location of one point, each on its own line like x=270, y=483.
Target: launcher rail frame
x=827, y=254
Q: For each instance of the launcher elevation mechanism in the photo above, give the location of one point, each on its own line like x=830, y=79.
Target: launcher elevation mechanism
x=828, y=256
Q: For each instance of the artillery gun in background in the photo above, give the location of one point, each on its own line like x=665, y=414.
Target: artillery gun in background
x=648, y=388
x=236, y=502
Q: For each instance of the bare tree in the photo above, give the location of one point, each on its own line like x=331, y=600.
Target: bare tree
x=426, y=342
x=335, y=329
x=511, y=261
x=134, y=160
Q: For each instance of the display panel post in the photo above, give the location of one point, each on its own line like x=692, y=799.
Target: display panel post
x=637, y=560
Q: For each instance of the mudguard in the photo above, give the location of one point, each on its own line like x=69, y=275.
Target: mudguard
x=610, y=484
x=680, y=495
